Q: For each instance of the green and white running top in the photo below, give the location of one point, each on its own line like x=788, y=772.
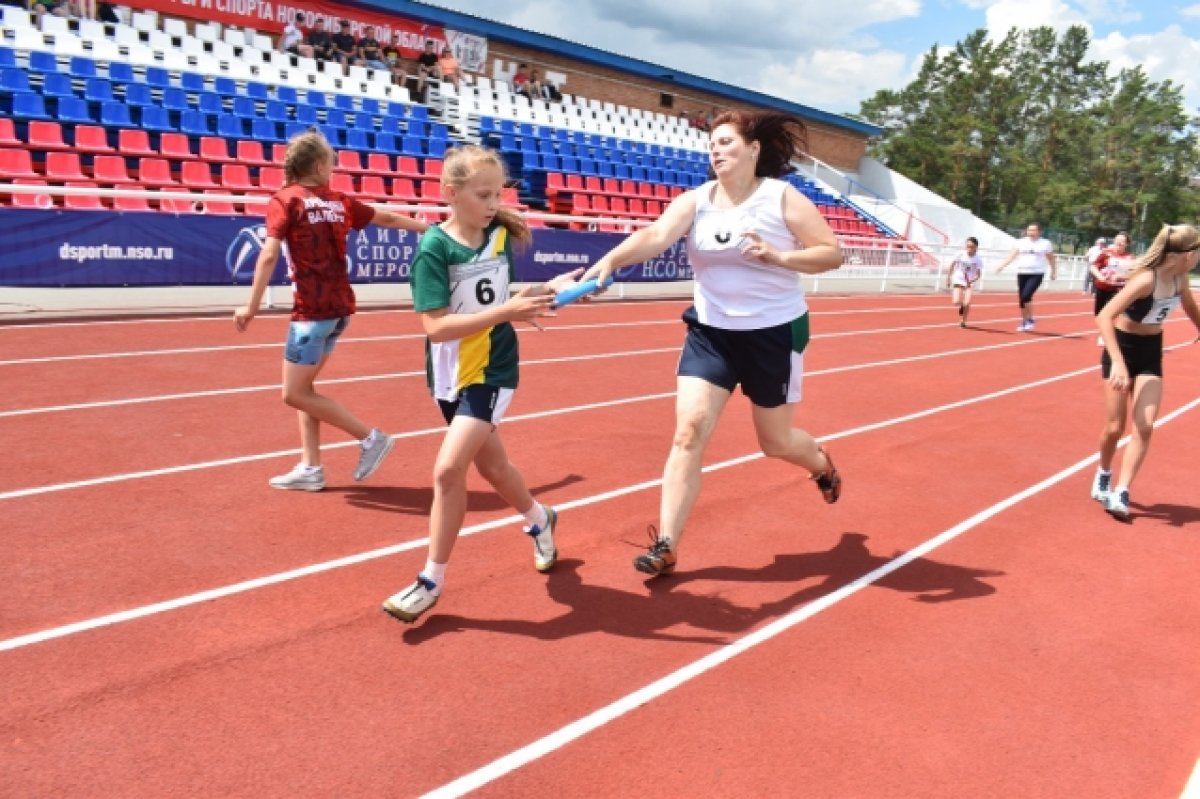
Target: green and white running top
x=449, y=274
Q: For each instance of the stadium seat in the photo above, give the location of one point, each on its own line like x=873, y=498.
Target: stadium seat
x=433, y=168
x=31, y=200
x=406, y=166
x=270, y=178
x=219, y=207
x=214, y=149
x=340, y=181
x=110, y=169
x=155, y=118
x=155, y=172
x=349, y=161
x=137, y=94
x=29, y=106
x=250, y=152
x=134, y=142
x=431, y=192
x=14, y=81
x=57, y=84
x=194, y=123
x=371, y=187
x=83, y=202
x=196, y=175
x=46, y=136
x=172, y=205
x=131, y=204
x=278, y=154
x=175, y=145
x=16, y=164
x=8, y=133
x=380, y=164
x=236, y=176
x=63, y=167
x=403, y=190
x=73, y=109
x=115, y=115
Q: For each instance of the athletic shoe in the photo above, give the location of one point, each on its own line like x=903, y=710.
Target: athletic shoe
x=1117, y=504
x=300, y=478
x=1100, y=485
x=659, y=559
x=1099, y=341
x=960, y=310
x=1021, y=328
x=369, y=458
x=962, y=323
x=1030, y=324
x=545, y=555
x=412, y=602
x=829, y=481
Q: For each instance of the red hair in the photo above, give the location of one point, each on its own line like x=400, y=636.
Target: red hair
x=781, y=137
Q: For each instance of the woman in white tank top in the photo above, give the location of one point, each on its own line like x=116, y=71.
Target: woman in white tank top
x=1131, y=327
x=750, y=237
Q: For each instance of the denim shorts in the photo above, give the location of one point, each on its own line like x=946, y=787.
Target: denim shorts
x=308, y=342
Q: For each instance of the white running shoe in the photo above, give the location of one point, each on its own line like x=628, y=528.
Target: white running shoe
x=1101, y=483
x=545, y=554
x=369, y=458
x=412, y=602
x=1021, y=328
x=1099, y=341
x=300, y=478
x=1117, y=504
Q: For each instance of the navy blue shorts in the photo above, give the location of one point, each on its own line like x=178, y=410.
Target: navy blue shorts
x=1143, y=355
x=1027, y=286
x=483, y=402
x=768, y=363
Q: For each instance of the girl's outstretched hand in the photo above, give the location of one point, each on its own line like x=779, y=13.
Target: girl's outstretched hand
x=565, y=280
x=525, y=306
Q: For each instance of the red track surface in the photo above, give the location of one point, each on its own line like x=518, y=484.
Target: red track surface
x=1046, y=651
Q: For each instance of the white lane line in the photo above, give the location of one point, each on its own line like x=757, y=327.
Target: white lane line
x=316, y=568
x=398, y=375
x=36, y=490
x=613, y=711
x=1192, y=789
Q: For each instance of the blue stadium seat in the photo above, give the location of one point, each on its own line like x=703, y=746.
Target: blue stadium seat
x=80, y=67
x=157, y=77
x=230, y=127
x=418, y=112
x=411, y=145
x=530, y=161
x=436, y=148
x=287, y=94
x=210, y=103
x=295, y=129
x=174, y=99
x=194, y=123
x=336, y=118
x=244, y=107
x=225, y=86
x=256, y=90
x=277, y=111
x=551, y=163
x=41, y=61
x=120, y=71
x=335, y=136
x=265, y=130
x=358, y=140
x=570, y=163
x=8, y=58
x=155, y=118
x=315, y=98
x=14, y=81
x=192, y=82
x=397, y=110
x=29, y=106
x=115, y=115
x=419, y=128
x=306, y=114
x=74, y=109
x=438, y=131
x=386, y=143
x=371, y=106
x=138, y=94
x=344, y=102
x=98, y=90
x=364, y=121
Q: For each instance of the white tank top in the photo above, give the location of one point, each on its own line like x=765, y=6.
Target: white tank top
x=734, y=292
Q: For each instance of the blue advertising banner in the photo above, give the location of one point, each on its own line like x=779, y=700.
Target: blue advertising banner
x=94, y=248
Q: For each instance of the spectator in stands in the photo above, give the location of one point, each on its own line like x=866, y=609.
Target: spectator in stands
x=461, y=289
x=85, y=9
x=520, y=80
x=1034, y=256
x=1131, y=325
x=107, y=12
x=345, y=48
x=370, y=52
x=550, y=92
x=315, y=220
x=292, y=39
x=391, y=55
x=320, y=41
x=750, y=236
x=1092, y=253
x=448, y=68
x=59, y=8
x=427, y=67
x=534, y=87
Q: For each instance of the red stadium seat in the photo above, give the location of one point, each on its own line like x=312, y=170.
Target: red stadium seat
x=349, y=161
x=661, y=192
x=175, y=145
x=171, y=205
x=404, y=191
x=433, y=168
x=64, y=166
x=637, y=208
x=554, y=184
x=629, y=188
x=251, y=153
x=83, y=202
x=431, y=192
x=156, y=172
x=8, y=134
x=575, y=182
x=617, y=206
x=278, y=154
x=110, y=169
x=46, y=136
x=131, y=204
x=16, y=164
x=134, y=142
x=219, y=207
x=32, y=200
x=379, y=164
x=91, y=139
x=371, y=187
x=646, y=191
x=196, y=175
x=511, y=198
x=236, y=176
x=593, y=185
x=612, y=186
x=407, y=167
x=270, y=178
x=216, y=149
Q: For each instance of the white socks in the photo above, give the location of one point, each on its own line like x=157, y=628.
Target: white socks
x=536, y=516
x=435, y=572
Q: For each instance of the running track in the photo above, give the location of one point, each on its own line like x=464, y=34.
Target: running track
x=965, y=622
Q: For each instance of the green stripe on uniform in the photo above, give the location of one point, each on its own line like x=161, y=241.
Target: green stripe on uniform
x=800, y=334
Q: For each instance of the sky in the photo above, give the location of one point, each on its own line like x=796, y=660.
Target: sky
x=833, y=55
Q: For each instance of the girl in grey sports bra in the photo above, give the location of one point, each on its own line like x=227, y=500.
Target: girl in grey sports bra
x=1154, y=309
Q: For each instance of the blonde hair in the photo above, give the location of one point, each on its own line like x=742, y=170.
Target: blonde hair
x=305, y=152
x=463, y=163
x=1171, y=239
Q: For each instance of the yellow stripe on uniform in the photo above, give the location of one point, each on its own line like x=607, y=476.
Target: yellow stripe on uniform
x=499, y=239
x=474, y=351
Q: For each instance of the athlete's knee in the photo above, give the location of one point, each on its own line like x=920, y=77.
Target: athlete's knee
x=448, y=475
x=298, y=396
x=691, y=433
x=775, y=446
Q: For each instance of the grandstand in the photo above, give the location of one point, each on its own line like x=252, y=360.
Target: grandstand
x=156, y=105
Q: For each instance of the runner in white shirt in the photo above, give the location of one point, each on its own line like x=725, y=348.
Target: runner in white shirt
x=1034, y=255
x=964, y=272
